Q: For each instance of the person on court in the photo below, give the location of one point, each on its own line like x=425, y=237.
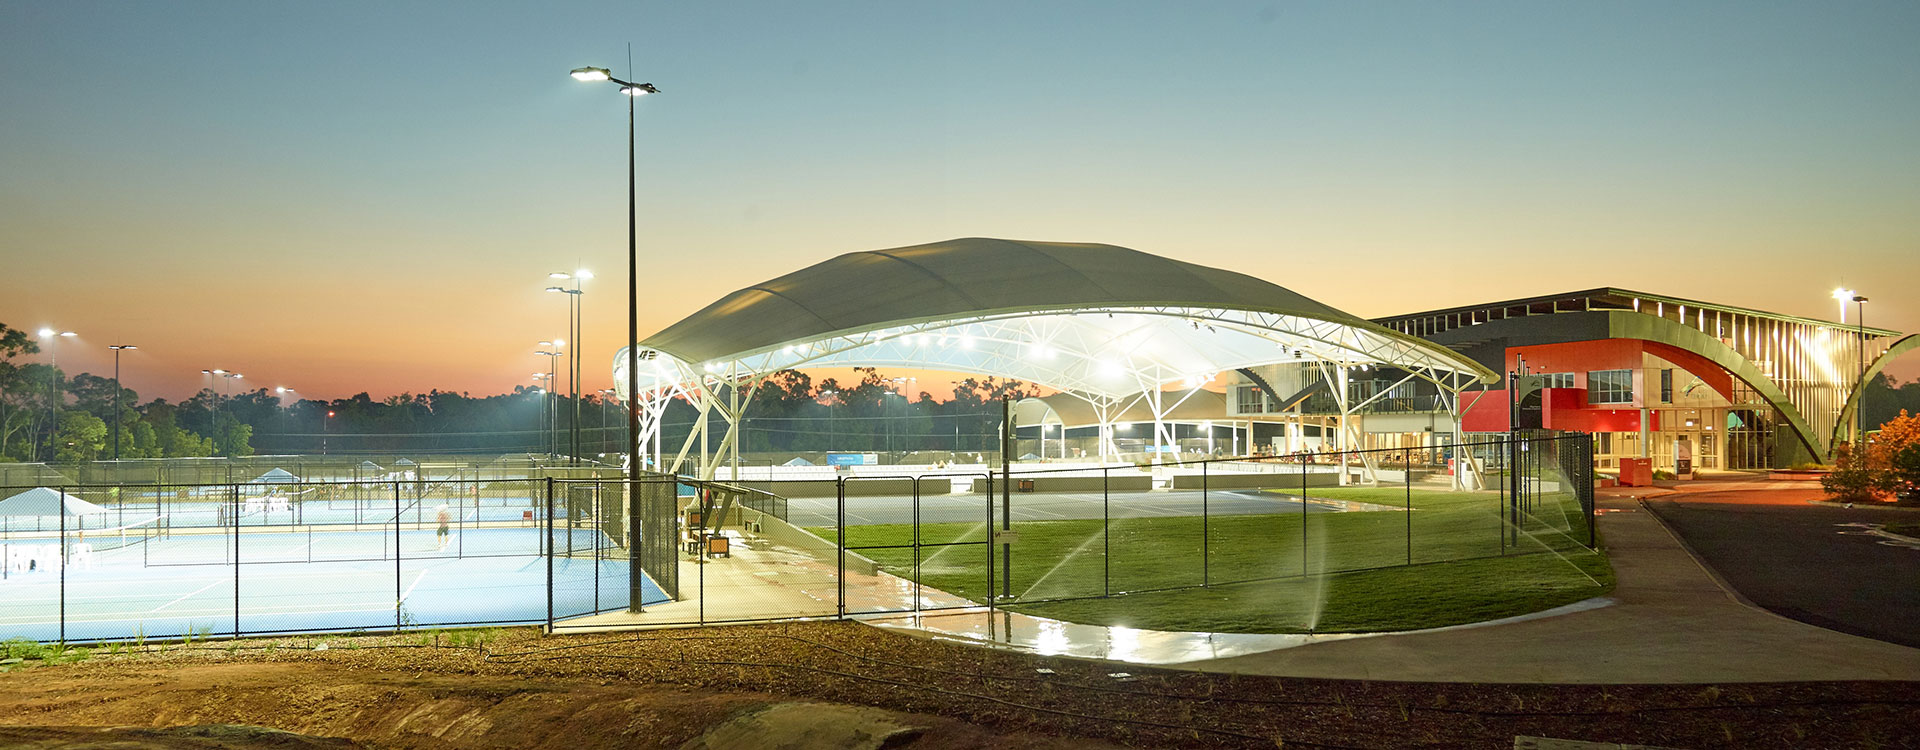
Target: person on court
x=442, y=516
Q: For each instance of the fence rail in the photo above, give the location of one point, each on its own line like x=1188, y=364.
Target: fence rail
x=466, y=547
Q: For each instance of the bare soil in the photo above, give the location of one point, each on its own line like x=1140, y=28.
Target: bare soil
x=806, y=685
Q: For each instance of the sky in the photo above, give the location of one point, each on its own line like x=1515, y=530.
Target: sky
x=343, y=197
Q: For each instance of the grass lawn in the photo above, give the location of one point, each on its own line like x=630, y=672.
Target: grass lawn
x=1267, y=573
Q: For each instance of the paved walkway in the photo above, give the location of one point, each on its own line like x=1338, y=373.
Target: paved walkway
x=1672, y=622
x=1669, y=620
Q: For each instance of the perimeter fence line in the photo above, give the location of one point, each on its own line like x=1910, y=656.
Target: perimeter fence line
x=177, y=560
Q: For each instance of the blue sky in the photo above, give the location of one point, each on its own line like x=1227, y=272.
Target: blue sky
x=368, y=195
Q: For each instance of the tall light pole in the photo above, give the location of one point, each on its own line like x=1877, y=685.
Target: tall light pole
x=574, y=324
x=117, y=349
x=553, y=406
x=633, y=91
x=50, y=336
x=1860, y=384
x=325, y=425
x=1843, y=296
x=830, y=435
x=282, y=391
x=606, y=399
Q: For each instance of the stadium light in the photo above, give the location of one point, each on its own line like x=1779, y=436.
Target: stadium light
x=117, y=349
x=592, y=74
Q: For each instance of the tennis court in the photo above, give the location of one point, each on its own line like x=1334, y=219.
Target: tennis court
x=157, y=577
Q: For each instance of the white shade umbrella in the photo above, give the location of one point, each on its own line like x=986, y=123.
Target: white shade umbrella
x=41, y=501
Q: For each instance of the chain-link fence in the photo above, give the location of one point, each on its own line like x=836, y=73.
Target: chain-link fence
x=446, y=545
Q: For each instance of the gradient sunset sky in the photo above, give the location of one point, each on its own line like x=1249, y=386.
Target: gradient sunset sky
x=341, y=197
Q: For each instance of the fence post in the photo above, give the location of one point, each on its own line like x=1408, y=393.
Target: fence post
x=916, y=537
x=398, y=619
x=840, y=551
x=1106, y=533
x=1303, y=513
x=546, y=544
x=234, y=514
x=1206, y=529
x=1406, y=474
x=63, y=575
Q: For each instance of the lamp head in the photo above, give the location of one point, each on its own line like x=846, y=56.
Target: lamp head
x=559, y=275
x=1858, y=298
x=583, y=274
x=591, y=75
x=46, y=333
x=1843, y=295
x=639, y=89
x=122, y=347
x=555, y=289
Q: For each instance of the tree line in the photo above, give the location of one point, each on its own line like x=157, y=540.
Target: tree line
x=48, y=416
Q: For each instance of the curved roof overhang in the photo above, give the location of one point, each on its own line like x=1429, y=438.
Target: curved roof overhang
x=1906, y=344
x=1097, y=321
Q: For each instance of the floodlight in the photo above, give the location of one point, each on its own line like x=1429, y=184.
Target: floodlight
x=558, y=275
x=591, y=75
x=583, y=274
x=639, y=89
x=48, y=332
x=555, y=289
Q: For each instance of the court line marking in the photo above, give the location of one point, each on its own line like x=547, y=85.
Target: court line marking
x=189, y=595
x=416, y=582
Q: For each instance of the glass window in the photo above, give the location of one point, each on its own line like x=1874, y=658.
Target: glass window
x=1610, y=387
x=1666, y=386
x=1558, y=379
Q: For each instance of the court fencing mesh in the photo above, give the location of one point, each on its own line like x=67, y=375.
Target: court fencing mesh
x=453, y=545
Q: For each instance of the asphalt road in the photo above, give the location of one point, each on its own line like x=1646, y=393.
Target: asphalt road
x=821, y=511
x=1821, y=565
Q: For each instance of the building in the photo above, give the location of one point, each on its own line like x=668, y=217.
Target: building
x=1686, y=383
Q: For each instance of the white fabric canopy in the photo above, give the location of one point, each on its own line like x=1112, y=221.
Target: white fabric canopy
x=41, y=501
x=276, y=476
x=1097, y=320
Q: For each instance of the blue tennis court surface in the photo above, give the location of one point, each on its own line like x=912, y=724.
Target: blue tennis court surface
x=183, y=581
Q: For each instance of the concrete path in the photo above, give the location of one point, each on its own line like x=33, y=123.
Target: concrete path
x=1673, y=623
x=1822, y=564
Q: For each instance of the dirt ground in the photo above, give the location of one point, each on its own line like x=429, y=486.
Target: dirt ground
x=821, y=685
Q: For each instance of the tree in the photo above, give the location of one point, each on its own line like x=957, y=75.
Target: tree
x=81, y=437
x=16, y=412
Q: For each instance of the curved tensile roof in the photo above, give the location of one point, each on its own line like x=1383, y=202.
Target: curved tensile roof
x=961, y=278
x=1086, y=318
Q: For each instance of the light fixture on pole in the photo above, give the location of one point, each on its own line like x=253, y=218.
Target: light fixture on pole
x=553, y=409
x=117, y=349
x=54, y=398
x=1860, y=383
x=632, y=91
x=830, y=433
x=574, y=324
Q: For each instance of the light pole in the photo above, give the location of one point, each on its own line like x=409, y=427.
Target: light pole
x=829, y=395
x=117, y=349
x=606, y=399
x=51, y=336
x=546, y=404
x=1860, y=382
x=282, y=390
x=215, y=412
x=325, y=424
x=553, y=406
x=633, y=91
x=574, y=324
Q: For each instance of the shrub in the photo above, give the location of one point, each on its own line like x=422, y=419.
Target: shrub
x=1851, y=480
x=1664, y=474
x=1903, y=474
